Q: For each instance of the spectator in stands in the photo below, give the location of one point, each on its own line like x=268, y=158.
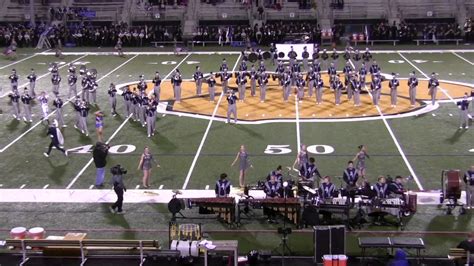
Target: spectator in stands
x=400, y=259
x=468, y=244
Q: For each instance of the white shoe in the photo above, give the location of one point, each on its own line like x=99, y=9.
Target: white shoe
x=149, y=135
x=45, y=154
x=31, y=120
x=64, y=125
x=87, y=134
x=14, y=116
x=66, y=153
x=24, y=119
x=467, y=127
x=460, y=127
x=75, y=126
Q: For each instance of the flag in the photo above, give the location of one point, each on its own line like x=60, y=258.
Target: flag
x=366, y=35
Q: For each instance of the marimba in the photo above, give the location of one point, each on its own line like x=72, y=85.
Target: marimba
x=224, y=207
x=289, y=207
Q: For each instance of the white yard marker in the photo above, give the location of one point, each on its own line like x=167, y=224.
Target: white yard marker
x=207, y=187
x=123, y=123
x=23, y=186
x=161, y=187
x=419, y=70
x=450, y=114
x=204, y=137
x=91, y=186
x=433, y=114
x=471, y=63
x=137, y=187
x=397, y=144
x=46, y=186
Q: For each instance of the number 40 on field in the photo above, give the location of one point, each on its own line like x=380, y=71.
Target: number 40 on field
x=285, y=149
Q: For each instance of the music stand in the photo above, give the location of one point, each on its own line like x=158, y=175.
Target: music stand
x=284, y=231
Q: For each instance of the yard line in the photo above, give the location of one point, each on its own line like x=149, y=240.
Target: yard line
x=19, y=61
x=123, y=123
x=423, y=73
x=41, y=121
x=46, y=74
x=397, y=144
x=471, y=63
x=298, y=136
x=204, y=137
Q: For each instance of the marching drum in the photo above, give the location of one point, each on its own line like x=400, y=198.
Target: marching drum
x=36, y=233
x=267, y=55
x=253, y=57
x=18, y=233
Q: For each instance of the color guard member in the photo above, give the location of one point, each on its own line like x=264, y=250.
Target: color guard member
x=360, y=159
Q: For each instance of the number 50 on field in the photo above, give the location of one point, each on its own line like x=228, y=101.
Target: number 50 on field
x=285, y=149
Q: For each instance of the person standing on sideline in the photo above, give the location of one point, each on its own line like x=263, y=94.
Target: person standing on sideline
x=112, y=92
x=99, y=125
x=72, y=81
x=222, y=187
x=145, y=165
x=157, y=86
x=463, y=112
x=32, y=79
x=469, y=180
x=211, y=83
x=99, y=154
x=15, y=100
x=244, y=164
x=393, y=85
x=412, y=84
x=58, y=104
x=119, y=189
x=433, y=84
x=57, y=139
x=232, y=106
x=198, y=77
x=360, y=159
x=26, y=100
x=43, y=99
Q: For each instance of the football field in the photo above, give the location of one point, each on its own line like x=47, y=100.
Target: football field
x=194, y=145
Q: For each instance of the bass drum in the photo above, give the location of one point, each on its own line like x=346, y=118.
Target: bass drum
x=267, y=55
x=292, y=54
x=453, y=184
x=281, y=55
x=253, y=57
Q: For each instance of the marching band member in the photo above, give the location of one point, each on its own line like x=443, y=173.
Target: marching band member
x=278, y=173
x=128, y=98
x=393, y=85
x=327, y=190
x=311, y=172
x=58, y=104
x=32, y=79
x=302, y=159
x=381, y=188
x=319, y=88
x=463, y=112
x=232, y=106
x=57, y=139
x=243, y=65
x=325, y=57
x=77, y=108
x=332, y=72
x=225, y=76
x=305, y=59
x=262, y=83
x=222, y=188
x=362, y=73
x=211, y=83
x=72, y=80
x=176, y=81
x=244, y=164
x=142, y=86
x=469, y=180
x=356, y=57
x=374, y=69
x=316, y=51
x=273, y=53
x=56, y=80
x=143, y=106
x=223, y=66
x=157, y=86
x=397, y=188
x=154, y=103
x=253, y=80
x=310, y=79
x=112, y=92
x=150, y=113
x=85, y=89
x=334, y=57
x=261, y=66
x=43, y=99
x=337, y=86
x=71, y=69
x=286, y=83
x=412, y=84
x=360, y=159
x=347, y=77
x=300, y=84
x=367, y=56
x=280, y=70
x=26, y=100
x=92, y=89
x=241, y=81
x=198, y=77
x=351, y=176
x=135, y=107
x=83, y=112
x=291, y=55
x=433, y=84
x=376, y=87
x=272, y=190
x=15, y=101
x=317, y=66
x=99, y=125
x=347, y=54
x=13, y=80
x=357, y=87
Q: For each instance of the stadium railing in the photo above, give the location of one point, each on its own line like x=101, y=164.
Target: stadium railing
x=356, y=42
x=31, y=247
x=437, y=41
x=157, y=43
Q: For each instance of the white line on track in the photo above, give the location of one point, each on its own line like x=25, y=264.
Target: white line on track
x=123, y=123
x=39, y=122
x=471, y=63
x=204, y=137
x=298, y=134
x=397, y=144
x=24, y=59
x=423, y=73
